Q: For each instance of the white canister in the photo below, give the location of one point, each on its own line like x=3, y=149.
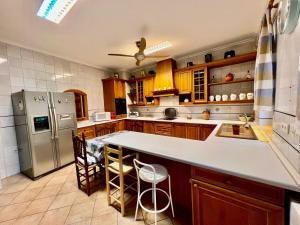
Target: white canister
x=233, y=97
x=211, y=98
x=218, y=98
x=224, y=97
x=250, y=96
x=242, y=96
x=186, y=100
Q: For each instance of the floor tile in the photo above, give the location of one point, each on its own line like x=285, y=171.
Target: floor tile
x=49, y=191
x=101, y=207
x=15, y=188
x=85, y=222
x=57, y=180
x=39, y=183
x=27, y=195
x=56, y=216
x=80, y=212
x=105, y=219
x=12, y=211
x=29, y=220
x=6, y=199
x=10, y=222
x=63, y=200
x=68, y=187
x=38, y=206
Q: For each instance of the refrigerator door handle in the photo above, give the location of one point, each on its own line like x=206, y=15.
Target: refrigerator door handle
x=56, y=123
x=51, y=117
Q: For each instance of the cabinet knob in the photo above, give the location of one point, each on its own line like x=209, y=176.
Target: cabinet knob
x=228, y=182
x=195, y=185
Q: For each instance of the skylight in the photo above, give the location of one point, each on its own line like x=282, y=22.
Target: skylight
x=55, y=10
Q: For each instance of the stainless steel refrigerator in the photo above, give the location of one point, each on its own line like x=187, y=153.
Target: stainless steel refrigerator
x=44, y=122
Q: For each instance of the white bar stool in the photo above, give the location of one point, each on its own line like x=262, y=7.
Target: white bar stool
x=152, y=173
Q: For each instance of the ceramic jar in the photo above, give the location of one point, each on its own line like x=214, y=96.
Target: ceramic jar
x=205, y=115
x=224, y=97
x=233, y=97
x=242, y=96
x=211, y=98
x=250, y=96
x=218, y=98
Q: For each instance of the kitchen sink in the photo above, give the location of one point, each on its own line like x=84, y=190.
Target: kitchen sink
x=226, y=130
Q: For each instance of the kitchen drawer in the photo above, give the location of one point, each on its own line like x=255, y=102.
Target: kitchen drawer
x=163, y=129
x=89, y=132
x=251, y=188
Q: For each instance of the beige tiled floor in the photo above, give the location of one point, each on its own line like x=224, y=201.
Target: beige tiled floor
x=56, y=200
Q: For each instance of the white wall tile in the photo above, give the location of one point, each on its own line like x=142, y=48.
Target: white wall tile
x=16, y=81
x=13, y=51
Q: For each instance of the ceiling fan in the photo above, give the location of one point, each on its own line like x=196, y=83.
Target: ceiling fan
x=140, y=55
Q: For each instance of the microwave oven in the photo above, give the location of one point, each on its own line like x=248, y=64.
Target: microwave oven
x=102, y=116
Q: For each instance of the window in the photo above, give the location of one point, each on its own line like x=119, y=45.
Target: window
x=81, y=104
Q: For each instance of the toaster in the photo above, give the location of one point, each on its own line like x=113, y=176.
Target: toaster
x=134, y=114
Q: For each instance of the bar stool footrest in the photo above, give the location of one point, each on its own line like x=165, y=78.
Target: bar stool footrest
x=153, y=211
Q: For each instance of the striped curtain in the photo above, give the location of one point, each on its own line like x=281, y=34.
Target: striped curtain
x=265, y=69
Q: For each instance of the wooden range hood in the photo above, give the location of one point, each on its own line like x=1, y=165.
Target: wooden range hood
x=164, y=79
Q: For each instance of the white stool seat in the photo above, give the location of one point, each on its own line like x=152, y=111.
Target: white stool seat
x=147, y=175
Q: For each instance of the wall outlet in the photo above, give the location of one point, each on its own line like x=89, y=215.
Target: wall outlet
x=285, y=128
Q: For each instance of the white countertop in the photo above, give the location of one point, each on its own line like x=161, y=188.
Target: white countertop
x=87, y=123
x=250, y=159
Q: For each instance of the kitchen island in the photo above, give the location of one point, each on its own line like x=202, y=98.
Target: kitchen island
x=229, y=174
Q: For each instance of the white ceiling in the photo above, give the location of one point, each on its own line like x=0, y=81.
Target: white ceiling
x=94, y=28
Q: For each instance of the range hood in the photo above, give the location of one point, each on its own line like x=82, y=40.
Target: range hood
x=164, y=80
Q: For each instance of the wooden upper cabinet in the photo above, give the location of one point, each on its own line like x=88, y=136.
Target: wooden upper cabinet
x=119, y=89
x=81, y=104
x=200, y=85
x=148, y=87
x=183, y=81
x=214, y=205
x=140, y=91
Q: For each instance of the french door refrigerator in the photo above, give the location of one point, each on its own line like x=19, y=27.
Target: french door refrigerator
x=44, y=123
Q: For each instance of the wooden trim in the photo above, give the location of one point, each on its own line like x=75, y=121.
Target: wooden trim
x=231, y=102
x=84, y=105
x=112, y=78
x=168, y=92
x=232, y=82
x=224, y=62
x=140, y=78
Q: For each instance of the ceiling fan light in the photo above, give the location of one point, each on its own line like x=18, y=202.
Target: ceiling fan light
x=158, y=47
x=55, y=10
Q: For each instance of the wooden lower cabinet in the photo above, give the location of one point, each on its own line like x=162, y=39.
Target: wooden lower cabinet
x=213, y=205
x=148, y=127
x=179, y=130
x=163, y=129
x=205, y=131
x=134, y=125
x=89, y=132
x=192, y=131
x=120, y=125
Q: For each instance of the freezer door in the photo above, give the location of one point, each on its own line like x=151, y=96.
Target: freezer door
x=64, y=103
x=65, y=146
x=43, y=153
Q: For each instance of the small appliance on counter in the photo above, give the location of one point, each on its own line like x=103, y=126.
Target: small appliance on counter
x=170, y=113
x=133, y=114
x=101, y=116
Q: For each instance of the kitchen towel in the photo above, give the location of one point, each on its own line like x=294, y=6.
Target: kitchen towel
x=265, y=68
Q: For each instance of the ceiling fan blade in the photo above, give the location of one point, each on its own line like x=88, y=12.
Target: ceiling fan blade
x=138, y=62
x=142, y=46
x=123, y=55
x=157, y=56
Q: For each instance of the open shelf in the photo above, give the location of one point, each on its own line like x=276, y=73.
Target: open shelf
x=231, y=61
x=223, y=62
x=232, y=82
x=232, y=102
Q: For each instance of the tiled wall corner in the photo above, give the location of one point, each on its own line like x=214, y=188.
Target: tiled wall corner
x=34, y=71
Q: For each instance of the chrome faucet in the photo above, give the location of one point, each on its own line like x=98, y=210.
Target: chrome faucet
x=246, y=125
